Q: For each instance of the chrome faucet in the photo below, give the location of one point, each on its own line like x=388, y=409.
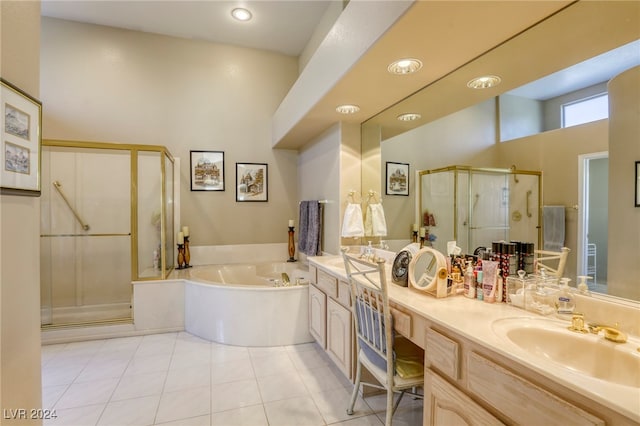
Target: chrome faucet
x=611, y=333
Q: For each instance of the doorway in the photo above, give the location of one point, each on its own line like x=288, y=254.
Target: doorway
x=593, y=219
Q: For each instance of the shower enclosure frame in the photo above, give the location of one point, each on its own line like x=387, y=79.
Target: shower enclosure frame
x=470, y=170
x=167, y=213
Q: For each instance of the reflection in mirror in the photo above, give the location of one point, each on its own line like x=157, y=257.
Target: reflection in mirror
x=475, y=206
x=461, y=126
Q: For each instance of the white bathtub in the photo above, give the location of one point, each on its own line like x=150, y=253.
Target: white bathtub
x=242, y=304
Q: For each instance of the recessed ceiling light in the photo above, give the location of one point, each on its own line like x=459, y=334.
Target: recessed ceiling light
x=404, y=66
x=241, y=14
x=484, y=82
x=409, y=116
x=347, y=109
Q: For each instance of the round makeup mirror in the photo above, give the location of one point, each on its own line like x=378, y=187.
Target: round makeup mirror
x=428, y=270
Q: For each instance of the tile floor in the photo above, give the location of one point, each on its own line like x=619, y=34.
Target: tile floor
x=179, y=379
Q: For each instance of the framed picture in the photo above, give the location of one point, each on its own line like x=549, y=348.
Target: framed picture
x=207, y=170
x=252, y=182
x=397, y=179
x=21, y=141
x=637, y=183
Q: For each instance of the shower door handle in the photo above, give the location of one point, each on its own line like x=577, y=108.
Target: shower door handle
x=528, y=212
x=58, y=186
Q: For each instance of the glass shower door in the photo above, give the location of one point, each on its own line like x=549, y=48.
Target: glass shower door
x=85, y=235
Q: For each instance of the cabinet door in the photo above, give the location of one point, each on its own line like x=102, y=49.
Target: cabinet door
x=318, y=315
x=444, y=405
x=339, y=337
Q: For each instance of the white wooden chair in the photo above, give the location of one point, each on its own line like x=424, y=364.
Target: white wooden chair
x=547, y=259
x=396, y=363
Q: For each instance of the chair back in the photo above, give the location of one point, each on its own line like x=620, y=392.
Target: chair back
x=544, y=257
x=370, y=306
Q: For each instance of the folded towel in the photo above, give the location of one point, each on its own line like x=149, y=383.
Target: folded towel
x=375, y=225
x=310, y=224
x=352, y=224
x=553, y=222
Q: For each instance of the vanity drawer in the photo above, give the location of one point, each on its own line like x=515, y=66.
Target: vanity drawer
x=344, y=294
x=401, y=322
x=518, y=398
x=443, y=354
x=327, y=283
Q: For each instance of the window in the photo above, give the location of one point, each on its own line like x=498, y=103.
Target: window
x=585, y=110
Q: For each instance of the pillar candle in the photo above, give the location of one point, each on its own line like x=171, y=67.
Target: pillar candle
x=180, y=238
x=290, y=223
x=415, y=227
x=185, y=231
x=422, y=232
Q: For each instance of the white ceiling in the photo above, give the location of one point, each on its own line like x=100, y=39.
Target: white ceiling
x=279, y=26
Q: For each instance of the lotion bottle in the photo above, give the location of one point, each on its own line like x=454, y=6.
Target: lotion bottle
x=469, y=282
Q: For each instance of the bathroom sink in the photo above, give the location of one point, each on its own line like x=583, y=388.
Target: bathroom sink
x=588, y=354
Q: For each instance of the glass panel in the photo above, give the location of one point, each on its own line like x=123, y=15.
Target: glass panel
x=489, y=199
x=523, y=216
x=85, y=228
x=169, y=222
x=149, y=214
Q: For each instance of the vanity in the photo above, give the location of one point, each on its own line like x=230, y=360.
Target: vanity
x=484, y=363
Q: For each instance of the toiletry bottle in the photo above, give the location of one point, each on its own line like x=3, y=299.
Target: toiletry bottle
x=469, y=282
x=566, y=303
x=582, y=286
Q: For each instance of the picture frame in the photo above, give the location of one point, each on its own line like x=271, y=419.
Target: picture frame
x=207, y=170
x=637, y=183
x=252, y=182
x=21, y=151
x=397, y=178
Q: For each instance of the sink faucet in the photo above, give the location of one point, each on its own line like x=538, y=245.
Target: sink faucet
x=611, y=333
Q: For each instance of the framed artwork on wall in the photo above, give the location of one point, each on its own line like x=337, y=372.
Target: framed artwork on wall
x=252, y=182
x=207, y=170
x=397, y=178
x=21, y=141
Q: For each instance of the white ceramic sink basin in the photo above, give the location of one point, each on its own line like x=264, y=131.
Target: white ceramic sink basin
x=588, y=354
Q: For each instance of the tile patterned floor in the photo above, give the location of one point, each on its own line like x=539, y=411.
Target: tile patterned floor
x=179, y=379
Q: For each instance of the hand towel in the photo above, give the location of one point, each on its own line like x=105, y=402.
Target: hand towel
x=553, y=222
x=352, y=224
x=375, y=224
x=310, y=228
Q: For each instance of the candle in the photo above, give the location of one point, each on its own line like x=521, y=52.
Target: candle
x=422, y=232
x=290, y=223
x=180, y=238
x=415, y=227
x=185, y=231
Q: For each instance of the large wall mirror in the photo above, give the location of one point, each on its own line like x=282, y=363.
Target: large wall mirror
x=569, y=56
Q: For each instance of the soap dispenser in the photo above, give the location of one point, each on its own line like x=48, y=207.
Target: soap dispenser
x=566, y=303
x=582, y=286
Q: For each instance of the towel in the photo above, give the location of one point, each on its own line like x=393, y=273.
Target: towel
x=375, y=225
x=352, y=224
x=310, y=228
x=553, y=222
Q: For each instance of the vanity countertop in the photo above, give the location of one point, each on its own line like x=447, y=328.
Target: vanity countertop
x=473, y=320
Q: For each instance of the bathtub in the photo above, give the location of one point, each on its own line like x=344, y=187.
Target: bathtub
x=247, y=304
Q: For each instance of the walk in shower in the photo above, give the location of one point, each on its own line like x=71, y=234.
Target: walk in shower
x=106, y=220
x=476, y=206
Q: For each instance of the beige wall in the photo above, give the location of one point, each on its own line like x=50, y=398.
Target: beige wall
x=105, y=84
x=624, y=218
x=20, y=381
